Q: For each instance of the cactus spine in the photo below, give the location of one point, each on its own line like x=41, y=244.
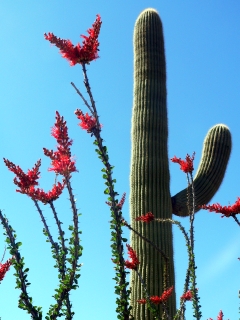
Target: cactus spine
x=149, y=178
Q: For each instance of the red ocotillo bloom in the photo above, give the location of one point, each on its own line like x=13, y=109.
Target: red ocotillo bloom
x=27, y=183
x=156, y=300
x=24, y=180
x=220, y=316
x=62, y=161
x=4, y=267
x=134, y=260
x=187, y=296
x=227, y=211
x=185, y=165
x=87, y=122
x=148, y=217
x=79, y=54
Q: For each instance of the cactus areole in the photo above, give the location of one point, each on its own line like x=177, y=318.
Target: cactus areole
x=149, y=177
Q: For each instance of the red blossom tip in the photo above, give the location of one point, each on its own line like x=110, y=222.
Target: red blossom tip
x=134, y=260
x=47, y=197
x=148, y=217
x=219, y=317
x=79, y=54
x=4, y=267
x=62, y=161
x=187, y=296
x=24, y=180
x=185, y=165
x=227, y=211
x=121, y=202
x=156, y=300
x=88, y=122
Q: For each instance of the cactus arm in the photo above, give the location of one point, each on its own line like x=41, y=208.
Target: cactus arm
x=215, y=155
x=149, y=177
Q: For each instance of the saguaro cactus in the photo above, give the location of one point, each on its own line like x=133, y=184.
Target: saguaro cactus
x=149, y=179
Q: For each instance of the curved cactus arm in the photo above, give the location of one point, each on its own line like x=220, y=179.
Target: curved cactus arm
x=215, y=155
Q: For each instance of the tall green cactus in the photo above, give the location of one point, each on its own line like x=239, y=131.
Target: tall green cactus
x=149, y=178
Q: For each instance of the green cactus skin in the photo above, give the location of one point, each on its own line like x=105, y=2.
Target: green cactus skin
x=216, y=152
x=149, y=178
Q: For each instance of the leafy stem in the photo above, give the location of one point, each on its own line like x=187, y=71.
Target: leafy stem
x=123, y=309
x=25, y=301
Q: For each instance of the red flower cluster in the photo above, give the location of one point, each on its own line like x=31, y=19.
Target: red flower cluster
x=186, y=165
x=24, y=180
x=156, y=300
x=148, y=217
x=27, y=182
x=132, y=254
x=62, y=162
x=121, y=202
x=46, y=197
x=187, y=296
x=77, y=54
x=227, y=211
x=4, y=267
x=220, y=316
x=88, y=122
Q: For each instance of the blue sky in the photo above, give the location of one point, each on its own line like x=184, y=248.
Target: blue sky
x=203, y=67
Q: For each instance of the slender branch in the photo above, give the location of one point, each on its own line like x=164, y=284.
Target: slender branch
x=76, y=233
x=117, y=246
x=145, y=239
x=93, y=105
x=21, y=276
x=84, y=100
x=60, y=260
x=68, y=282
x=54, y=244
x=87, y=85
x=181, y=310
x=192, y=212
x=192, y=265
x=236, y=219
x=61, y=232
x=3, y=254
x=62, y=263
x=151, y=307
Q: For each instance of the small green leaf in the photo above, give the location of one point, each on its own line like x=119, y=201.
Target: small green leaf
x=106, y=191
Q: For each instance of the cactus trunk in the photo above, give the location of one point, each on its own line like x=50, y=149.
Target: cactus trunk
x=149, y=181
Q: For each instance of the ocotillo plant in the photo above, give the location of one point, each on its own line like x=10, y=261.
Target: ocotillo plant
x=149, y=178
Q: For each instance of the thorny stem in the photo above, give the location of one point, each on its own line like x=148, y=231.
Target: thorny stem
x=3, y=254
x=84, y=100
x=54, y=244
x=65, y=290
x=236, y=219
x=116, y=213
x=166, y=271
x=146, y=239
x=61, y=234
x=192, y=266
x=150, y=305
x=62, y=263
x=192, y=212
x=182, y=308
x=87, y=85
x=19, y=270
x=75, y=222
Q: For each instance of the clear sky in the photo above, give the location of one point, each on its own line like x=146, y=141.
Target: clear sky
x=203, y=80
